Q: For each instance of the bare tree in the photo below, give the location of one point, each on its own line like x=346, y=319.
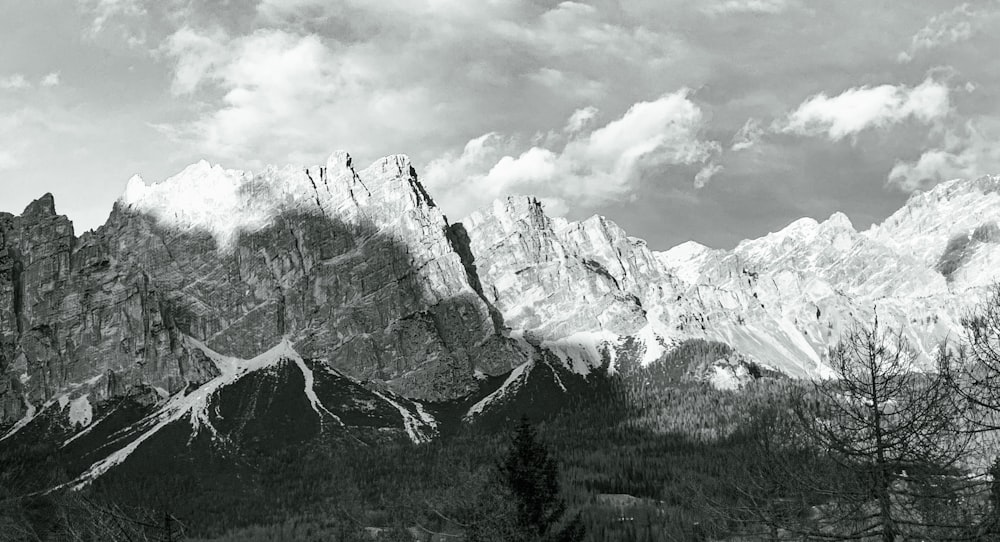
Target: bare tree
x=885, y=452
x=894, y=427
x=976, y=374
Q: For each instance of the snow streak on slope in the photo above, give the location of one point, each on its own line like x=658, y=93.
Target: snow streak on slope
x=194, y=405
x=310, y=390
x=514, y=381
x=410, y=422
x=80, y=411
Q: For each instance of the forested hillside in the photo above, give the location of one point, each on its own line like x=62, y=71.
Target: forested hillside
x=643, y=453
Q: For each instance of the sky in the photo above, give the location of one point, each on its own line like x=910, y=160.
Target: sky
x=715, y=120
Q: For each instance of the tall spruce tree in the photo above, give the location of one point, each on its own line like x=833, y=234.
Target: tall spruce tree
x=532, y=475
x=528, y=486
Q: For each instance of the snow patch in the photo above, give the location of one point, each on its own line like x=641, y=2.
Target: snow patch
x=223, y=202
x=410, y=422
x=724, y=378
x=425, y=416
x=80, y=411
x=685, y=260
x=310, y=389
x=514, y=380
x=584, y=350
x=559, y=382
x=653, y=349
x=193, y=406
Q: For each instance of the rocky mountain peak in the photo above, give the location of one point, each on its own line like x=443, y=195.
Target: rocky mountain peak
x=938, y=228
x=354, y=267
x=358, y=268
x=44, y=206
x=227, y=202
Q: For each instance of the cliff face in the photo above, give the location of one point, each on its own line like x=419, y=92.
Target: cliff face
x=355, y=267
x=35, y=261
x=589, y=290
x=361, y=271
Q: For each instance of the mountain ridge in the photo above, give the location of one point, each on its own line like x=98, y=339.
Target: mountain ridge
x=360, y=269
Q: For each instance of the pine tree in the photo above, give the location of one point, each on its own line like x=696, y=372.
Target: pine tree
x=528, y=485
x=532, y=475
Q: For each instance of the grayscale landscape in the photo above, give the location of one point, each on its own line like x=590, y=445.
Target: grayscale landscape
x=648, y=271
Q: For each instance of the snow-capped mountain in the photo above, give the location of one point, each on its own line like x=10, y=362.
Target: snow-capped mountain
x=782, y=299
x=359, y=279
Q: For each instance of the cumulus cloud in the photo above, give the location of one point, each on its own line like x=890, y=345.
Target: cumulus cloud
x=862, y=108
x=570, y=85
x=954, y=26
x=278, y=88
x=103, y=11
x=705, y=174
x=592, y=167
x=50, y=80
x=17, y=81
x=14, y=81
x=724, y=7
x=967, y=152
x=748, y=135
x=291, y=88
x=580, y=119
x=196, y=54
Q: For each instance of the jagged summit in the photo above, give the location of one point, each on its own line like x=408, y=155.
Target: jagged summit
x=947, y=224
x=360, y=275
x=225, y=202
x=43, y=206
x=953, y=188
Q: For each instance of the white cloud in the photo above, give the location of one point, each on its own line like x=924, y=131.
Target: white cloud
x=950, y=27
x=569, y=85
x=970, y=153
x=580, y=119
x=14, y=81
x=705, y=174
x=748, y=135
x=725, y=7
x=591, y=168
x=103, y=11
x=50, y=80
x=278, y=88
x=196, y=55
x=859, y=109
x=403, y=76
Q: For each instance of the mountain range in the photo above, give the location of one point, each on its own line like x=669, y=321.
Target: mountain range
x=223, y=309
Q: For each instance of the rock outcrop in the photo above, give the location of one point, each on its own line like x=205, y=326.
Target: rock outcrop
x=355, y=267
x=588, y=290
x=361, y=270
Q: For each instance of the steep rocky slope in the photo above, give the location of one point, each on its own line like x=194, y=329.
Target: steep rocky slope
x=275, y=400
x=782, y=299
x=358, y=267
x=361, y=277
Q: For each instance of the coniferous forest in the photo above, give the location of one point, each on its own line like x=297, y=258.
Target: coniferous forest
x=881, y=452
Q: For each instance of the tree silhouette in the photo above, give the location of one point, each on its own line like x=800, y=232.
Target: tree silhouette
x=527, y=485
x=893, y=428
x=532, y=474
